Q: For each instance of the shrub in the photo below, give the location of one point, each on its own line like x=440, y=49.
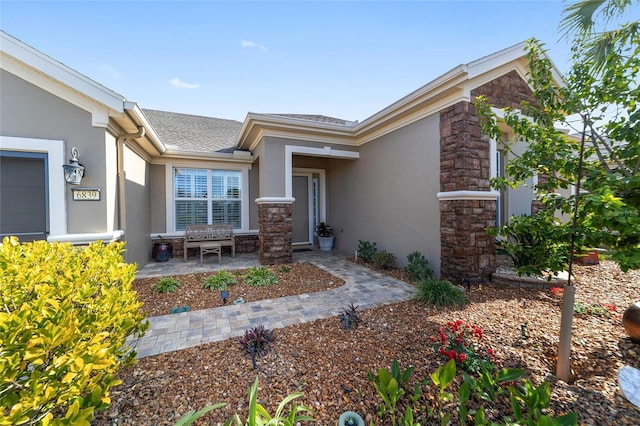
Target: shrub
x=418, y=267
x=384, y=260
x=529, y=242
x=366, y=250
x=66, y=314
x=166, y=285
x=260, y=277
x=440, y=293
x=350, y=317
x=219, y=281
x=257, y=340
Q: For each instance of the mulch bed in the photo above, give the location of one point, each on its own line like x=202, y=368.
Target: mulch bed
x=329, y=364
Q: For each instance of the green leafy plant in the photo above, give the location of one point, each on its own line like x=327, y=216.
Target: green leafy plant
x=285, y=269
x=487, y=388
x=366, y=250
x=384, y=260
x=67, y=313
x=219, y=281
x=439, y=293
x=259, y=416
x=166, y=285
x=580, y=308
x=489, y=385
x=530, y=242
x=260, y=277
x=442, y=378
x=194, y=415
x=391, y=386
x=535, y=400
x=257, y=340
x=460, y=342
x=350, y=317
x=324, y=230
x=418, y=267
x=389, y=389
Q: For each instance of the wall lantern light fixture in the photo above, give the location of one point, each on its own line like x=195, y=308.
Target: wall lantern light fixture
x=74, y=171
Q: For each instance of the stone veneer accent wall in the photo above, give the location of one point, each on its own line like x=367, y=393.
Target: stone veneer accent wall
x=510, y=90
x=467, y=251
x=276, y=233
x=246, y=243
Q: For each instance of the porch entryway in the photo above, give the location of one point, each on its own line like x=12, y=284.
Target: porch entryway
x=307, y=187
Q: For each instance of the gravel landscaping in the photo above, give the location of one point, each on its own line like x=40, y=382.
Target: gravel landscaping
x=329, y=364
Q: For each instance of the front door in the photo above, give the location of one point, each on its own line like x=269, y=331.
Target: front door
x=302, y=232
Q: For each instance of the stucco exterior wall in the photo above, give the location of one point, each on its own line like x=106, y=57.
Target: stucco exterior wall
x=254, y=192
x=30, y=112
x=388, y=195
x=138, y=199
x=157, y=204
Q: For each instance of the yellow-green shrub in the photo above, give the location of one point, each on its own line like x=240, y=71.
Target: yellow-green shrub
x=65, y=314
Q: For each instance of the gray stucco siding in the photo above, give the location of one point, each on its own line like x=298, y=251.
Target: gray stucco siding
x=389, y=194
x=30, y=112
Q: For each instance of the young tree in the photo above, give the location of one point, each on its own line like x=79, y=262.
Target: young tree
x=598, y=153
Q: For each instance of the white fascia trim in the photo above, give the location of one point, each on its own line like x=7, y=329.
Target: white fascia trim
x=496, y=59
x=79, y=239
x=468, y=195
x=275, y=200
x=142, y=120
x=55, y=175
x=327, y=151
x=56, y=70
x=447, y=78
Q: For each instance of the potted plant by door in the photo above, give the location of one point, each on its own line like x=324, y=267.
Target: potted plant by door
x=162, y=250
x=325, y=236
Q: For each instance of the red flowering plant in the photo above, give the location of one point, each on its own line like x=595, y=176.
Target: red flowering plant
x=461, y=342
x=557, y=291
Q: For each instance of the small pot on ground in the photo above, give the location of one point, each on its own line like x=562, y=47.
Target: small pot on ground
x=325, y=236
x=162, y=251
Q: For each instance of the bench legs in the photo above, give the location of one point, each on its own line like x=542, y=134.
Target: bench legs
x=211, y=248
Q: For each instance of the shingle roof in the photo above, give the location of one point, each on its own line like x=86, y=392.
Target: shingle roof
x=317, y=118
x=194, y=132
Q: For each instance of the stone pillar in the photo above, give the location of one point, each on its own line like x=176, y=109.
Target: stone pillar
x=276, y=230
x=467, y=203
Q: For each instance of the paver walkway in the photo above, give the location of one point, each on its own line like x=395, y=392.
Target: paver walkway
x=363, y=287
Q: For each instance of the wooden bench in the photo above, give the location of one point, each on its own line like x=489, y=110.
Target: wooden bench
x=198, y=235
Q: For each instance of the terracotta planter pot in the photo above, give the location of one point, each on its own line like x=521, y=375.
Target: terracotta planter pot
x=587, y=258
x=631, y=322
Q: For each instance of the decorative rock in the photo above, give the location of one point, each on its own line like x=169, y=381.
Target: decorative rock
x=629, y=379
x=631, y=321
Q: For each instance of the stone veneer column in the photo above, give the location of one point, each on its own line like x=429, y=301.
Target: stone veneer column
x=467, y=204
x=276, y=230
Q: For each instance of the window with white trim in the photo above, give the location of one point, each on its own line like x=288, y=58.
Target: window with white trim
x=207, y=197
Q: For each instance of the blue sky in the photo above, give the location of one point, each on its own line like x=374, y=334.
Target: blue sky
x=225, y=59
